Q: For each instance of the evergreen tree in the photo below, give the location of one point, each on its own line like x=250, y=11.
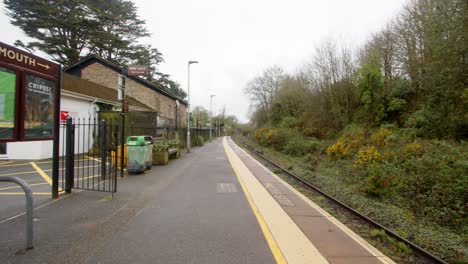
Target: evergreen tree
x=68, y=30
x=62, y=29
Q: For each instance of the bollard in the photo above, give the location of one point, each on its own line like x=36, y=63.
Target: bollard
x=29, y=207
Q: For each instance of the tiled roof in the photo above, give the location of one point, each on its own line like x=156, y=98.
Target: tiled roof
x=93, y=58
x=81, y=86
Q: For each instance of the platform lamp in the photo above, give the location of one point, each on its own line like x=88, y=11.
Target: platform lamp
x=188, y=107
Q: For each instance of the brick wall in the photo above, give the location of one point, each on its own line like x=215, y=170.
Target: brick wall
x=100, y=74
x=164, y=105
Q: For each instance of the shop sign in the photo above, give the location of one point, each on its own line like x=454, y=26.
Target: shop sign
x=12, y=55
x=137, y=70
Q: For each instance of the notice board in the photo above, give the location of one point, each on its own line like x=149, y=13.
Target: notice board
x=28, y=96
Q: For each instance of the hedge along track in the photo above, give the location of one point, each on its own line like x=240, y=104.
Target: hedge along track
x=416, y=249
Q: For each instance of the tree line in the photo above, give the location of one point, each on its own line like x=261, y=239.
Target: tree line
x=69, y=30
x=200, y=117
x=412, y=73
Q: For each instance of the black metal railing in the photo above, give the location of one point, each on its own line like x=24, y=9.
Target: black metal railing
x=89, y=159
x=198, y=135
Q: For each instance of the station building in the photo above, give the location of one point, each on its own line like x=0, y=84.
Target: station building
x=105, y=73
x=91, y=85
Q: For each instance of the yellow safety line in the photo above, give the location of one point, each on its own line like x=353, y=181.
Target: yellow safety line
x=16, y=187
x=42, y=183
x=91, y=158
x=78, y=167
x=18, y=193
x=4, y=163
x=18, y=173
x=88, y=177
x=42, y=173
x=275, y=250
x=27, y=172
x=22, y=164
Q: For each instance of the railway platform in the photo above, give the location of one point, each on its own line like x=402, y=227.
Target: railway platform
x=216, y=204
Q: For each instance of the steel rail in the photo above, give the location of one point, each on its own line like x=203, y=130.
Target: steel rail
x=413, y=246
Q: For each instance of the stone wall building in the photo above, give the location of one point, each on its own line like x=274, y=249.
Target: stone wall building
x=105, y=73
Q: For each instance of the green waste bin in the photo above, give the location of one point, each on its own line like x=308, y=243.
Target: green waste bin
x=149, y=152
x=137, y=150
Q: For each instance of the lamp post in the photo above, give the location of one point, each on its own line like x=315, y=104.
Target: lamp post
x=176, y=118
x=188, y=107
x=211, y=115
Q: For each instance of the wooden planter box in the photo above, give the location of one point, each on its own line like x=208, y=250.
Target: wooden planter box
x=160, y=158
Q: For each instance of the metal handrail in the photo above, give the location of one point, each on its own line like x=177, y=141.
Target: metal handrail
x=29, y=207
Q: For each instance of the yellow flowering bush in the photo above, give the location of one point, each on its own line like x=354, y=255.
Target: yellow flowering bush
x=344, y=146
x=380, y=135
x=412, y=149
x=367, y=155
x=272, y=137
x=260, y=134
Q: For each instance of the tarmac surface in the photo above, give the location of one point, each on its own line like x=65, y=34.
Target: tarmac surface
x=216, y=204
x=12, y=200
x=190, y=211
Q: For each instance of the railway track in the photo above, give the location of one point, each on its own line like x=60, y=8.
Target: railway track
x=419, y=251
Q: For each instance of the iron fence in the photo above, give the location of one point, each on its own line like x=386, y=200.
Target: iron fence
x=88, y=151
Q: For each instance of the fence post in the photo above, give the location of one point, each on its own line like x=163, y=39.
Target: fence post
x=69, y=155
x=116, y=142
x=103, y=137
x=122, y=144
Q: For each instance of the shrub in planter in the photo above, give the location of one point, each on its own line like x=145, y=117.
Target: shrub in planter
x=160, y=153
x=173, y=143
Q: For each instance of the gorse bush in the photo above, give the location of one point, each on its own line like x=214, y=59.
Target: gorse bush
x=260, y=135
x=431, y=177
x=270, y=137
x=346, y=145
x=413, y=149
x=367, y=155
x=379, y=137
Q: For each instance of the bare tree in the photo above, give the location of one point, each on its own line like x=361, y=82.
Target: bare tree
x=262, y=90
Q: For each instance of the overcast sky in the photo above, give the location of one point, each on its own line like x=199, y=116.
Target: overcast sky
x=235, y=40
